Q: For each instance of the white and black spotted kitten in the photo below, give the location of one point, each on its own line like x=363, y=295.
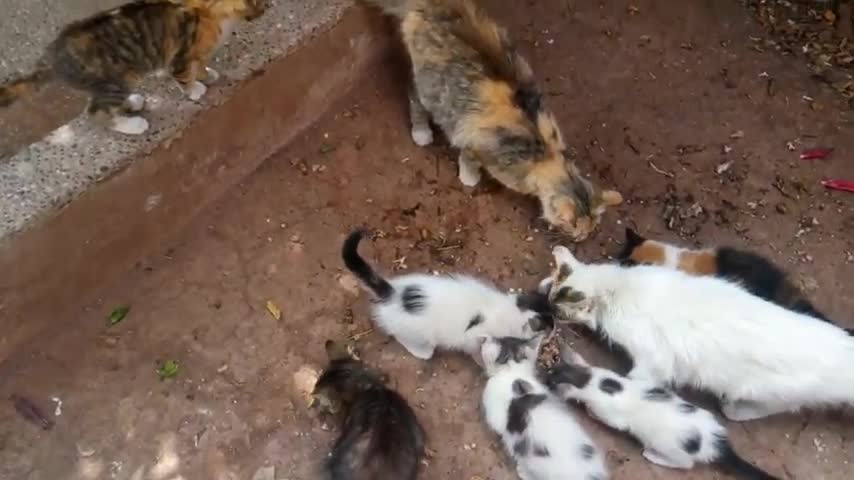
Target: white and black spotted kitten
x=424, y=312
x=537, y=428
x=673, y=432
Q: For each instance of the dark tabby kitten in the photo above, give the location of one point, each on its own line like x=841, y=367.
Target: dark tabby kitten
x=109, y=53
x=380, y=434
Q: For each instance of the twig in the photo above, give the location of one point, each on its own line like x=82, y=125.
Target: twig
x=660, y=171
x=358, y=336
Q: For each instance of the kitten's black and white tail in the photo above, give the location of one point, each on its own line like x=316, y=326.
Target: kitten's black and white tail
x=734, y=465
x=360, y=267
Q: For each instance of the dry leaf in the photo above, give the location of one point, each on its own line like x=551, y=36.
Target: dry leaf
x=274, y=310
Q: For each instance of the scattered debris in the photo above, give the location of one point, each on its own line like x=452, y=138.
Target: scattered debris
x=58, y=410
x=660, y=171
x=265, y=473
x=84, y=450
x=737, y=134
x=358, y=336
x=31, y=412
x=117, y=315
x=274, y=310
x=816, y=153
x=168, y=369
x=841, y=185
x=723, y=167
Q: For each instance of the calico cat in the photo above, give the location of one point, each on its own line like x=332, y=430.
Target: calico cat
x=673, y=432
x=424, y=311
x=380, y=434
x=755, y=273
x=537, y=429
x=471, y=81
x=109, y=53
x=711, y=334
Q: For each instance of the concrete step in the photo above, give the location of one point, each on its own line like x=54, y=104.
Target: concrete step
x=78, y=209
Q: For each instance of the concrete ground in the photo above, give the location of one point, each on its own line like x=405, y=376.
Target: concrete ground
x=44, y=171
x=655, y=98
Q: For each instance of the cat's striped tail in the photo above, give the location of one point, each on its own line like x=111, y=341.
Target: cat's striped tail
x=360, y=268
x=734, y=465
x=24, y=86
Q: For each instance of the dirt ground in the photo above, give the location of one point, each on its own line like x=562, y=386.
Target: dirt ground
x=655, y=98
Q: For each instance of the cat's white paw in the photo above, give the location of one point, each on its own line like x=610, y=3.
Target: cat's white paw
x=562, y=254
x=196, y=90
x=545, y=286
x=470, y=178
x=212, y=75
x=130, y=125
x=135, y=102
x=422, y=135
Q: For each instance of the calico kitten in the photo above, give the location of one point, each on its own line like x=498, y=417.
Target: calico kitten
x=380, y=434
x=710, y=334
x=673, y=432
x=755, y=273
x=109, y=53
x=471, y=81
x=424, y=311
x=537, y=430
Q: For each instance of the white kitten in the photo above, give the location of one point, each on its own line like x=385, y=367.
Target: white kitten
x=537, y=429
x=424, y=312
x=673, y=432
x=709, y=333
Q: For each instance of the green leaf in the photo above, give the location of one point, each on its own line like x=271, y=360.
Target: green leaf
x=168, y=369
x=117, y=315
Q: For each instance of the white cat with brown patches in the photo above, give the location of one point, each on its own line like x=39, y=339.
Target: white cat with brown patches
x=424, y=312
x=711, y=334
x=674, y=433
x=537, y=429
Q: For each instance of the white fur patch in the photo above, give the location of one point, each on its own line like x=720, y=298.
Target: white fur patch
x=135, y=102
x=63, y=135
x=130, y=125
x=196, y=91
x=422, y=135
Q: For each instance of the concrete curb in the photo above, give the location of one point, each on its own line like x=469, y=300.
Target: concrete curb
x=51, y=267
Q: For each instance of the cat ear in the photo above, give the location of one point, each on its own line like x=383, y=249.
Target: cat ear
x=522, y=387
x=563, y=256
x=335, y=351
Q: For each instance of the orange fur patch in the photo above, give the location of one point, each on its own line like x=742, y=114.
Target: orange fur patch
x=700, y=262
x=649, y=253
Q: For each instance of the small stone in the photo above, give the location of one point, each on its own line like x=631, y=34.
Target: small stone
x=809, y=284
x=781, y=208
x=265, y=473
x=85, y=451
x=349, y=283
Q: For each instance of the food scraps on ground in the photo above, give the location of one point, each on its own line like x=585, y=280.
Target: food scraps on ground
x=168, y=369
x=117, y=315
x=816, y=153
x=841, y=185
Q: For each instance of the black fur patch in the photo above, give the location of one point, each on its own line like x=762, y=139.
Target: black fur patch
x=568, y=295
x=530, y=101
x=512, y=348
x=658, y=394
x=610, y=386
x=576, y=375
x=625, y=362
x=475, y=321
x=692, y=444
x=685, y=407
x=517, y=413
x=521, y=447
x=413, y=299
x=539, y=303
x=633, y=241
x=587, y=451
x=541, y=451
x=563, y=273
